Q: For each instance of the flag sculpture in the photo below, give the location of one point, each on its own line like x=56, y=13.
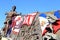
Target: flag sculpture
x=16, y=23
x=24, y=26
x=32, y=26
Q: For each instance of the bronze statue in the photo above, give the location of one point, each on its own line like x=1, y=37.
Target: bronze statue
x=9, y=18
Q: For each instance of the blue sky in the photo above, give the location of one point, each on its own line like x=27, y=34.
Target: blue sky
x=27, y=6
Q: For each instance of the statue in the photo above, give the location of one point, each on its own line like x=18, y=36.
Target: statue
x=9, y=16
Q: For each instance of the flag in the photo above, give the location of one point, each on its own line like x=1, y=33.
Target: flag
x=13, y=21
x=16, y=24
x=15, y=31
x=29, y=18
x=43, y=23
x=43, y=15
x=57, y=14
x=56, y=26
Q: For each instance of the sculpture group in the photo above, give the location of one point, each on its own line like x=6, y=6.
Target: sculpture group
x=32, y=26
